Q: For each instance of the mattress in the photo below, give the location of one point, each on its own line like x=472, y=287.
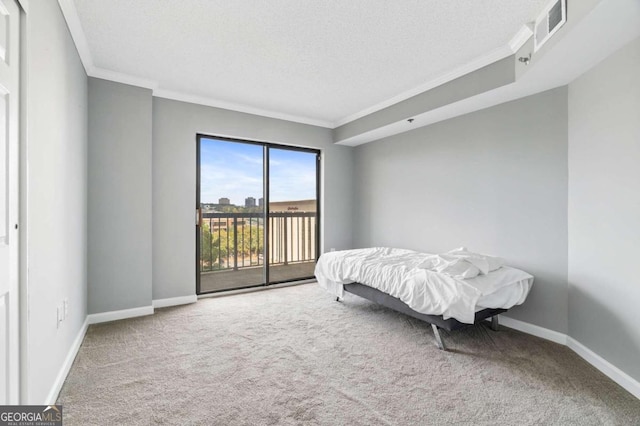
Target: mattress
x=397, y=272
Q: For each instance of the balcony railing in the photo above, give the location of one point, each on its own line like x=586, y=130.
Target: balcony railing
x=236, y=240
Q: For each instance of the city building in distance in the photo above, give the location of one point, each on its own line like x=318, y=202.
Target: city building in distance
x=293, y=206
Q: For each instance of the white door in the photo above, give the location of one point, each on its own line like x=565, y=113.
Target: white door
x=9, y=144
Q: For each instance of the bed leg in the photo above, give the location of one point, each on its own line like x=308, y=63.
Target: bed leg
x=495, y=326
x=439, y=340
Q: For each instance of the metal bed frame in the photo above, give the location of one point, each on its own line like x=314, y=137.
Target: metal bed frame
x=437, y=321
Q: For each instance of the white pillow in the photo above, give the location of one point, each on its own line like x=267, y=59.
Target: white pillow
x=483, y=262
x=460, y=269
x=452, y=266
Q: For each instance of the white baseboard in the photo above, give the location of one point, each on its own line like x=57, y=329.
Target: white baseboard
x=175, y=301
x=66, y=365
x=118, y=315
x=534, y=330
x=610, y=370
x=52, y=396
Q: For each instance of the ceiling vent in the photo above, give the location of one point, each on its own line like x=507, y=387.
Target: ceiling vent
x=552, y=18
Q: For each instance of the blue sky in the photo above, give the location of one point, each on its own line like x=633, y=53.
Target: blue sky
x=234, y=170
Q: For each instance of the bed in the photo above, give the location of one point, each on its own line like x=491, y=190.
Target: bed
x=449, y=291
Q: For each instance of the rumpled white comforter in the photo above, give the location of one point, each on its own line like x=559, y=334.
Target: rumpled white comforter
x=396, y=272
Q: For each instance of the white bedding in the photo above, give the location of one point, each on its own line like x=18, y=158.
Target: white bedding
x=397, y=273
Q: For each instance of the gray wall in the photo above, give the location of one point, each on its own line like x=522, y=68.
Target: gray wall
x=119, y=203
x=494, y=181
x=56, y=195
x=604, y=209
x=175, y=125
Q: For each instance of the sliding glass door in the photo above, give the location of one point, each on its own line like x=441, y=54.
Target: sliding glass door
x=257, y=214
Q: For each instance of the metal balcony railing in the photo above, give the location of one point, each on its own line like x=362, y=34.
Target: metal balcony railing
x=236, y=240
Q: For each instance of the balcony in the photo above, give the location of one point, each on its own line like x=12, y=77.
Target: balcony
x=232, y=249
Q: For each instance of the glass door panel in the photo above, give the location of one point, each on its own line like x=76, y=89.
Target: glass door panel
x=231, y=218
x=292, y=214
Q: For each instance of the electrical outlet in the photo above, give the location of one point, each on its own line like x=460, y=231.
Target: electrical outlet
x=333, y=249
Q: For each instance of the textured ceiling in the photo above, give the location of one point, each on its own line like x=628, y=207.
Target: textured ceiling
x=318, y=59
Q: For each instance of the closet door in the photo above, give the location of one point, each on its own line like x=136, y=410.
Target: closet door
x=9, y=187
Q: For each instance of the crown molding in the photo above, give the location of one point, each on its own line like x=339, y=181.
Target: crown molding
x=216, y=103
x=70, y=14
x=77, y=34
x=521, y=37
x=123, y=78
x=469, y=67
x=514, y=45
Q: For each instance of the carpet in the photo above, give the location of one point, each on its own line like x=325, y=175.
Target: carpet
x=295, y=356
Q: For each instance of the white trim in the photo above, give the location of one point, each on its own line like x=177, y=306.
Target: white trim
x=202, y=100
x=614, y=373
x=119, y=77
x=520, y=38
x=481, y=62
x=534, y=330
x=609, y=370
x=70, y=14
x=24, y=210
x=118, y=315
x=24, y=4
x=77, y=34
x=66, y=365
x=174, y=301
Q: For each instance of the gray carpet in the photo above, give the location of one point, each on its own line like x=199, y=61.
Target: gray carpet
x=295, y=356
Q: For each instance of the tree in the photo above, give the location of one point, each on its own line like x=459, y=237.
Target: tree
x=217, y=248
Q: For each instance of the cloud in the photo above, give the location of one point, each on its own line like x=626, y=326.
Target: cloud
x=235, y=171
x=249, y=159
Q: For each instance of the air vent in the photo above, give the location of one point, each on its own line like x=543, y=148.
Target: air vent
x=550, y=21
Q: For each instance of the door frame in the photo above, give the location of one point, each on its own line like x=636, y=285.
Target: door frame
x=15, y=132
x=266, y=145
x=23, y=207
